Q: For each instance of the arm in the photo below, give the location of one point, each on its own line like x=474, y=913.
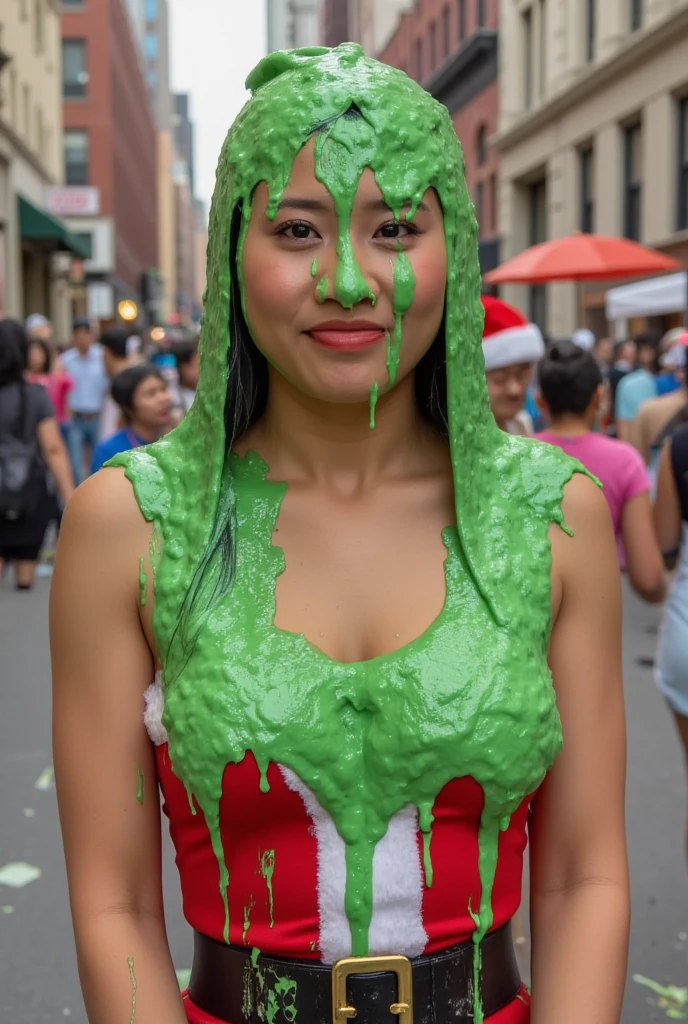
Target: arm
x=667, y=511
x=101, y=667
x=643, y=558
x=579, y=873
x=624, y=430
x=639, y=435
x=55, y=455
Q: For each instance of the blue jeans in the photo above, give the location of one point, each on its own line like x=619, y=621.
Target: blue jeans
x=80, y=433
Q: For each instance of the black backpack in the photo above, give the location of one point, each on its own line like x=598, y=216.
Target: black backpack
x=20, y=465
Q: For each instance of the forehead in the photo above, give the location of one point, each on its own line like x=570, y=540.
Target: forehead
x=303, y=183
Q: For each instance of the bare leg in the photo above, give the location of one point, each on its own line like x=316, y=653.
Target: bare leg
x=682, y=726
x=25, y=574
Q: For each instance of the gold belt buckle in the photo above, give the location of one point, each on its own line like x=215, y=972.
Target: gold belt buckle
x=399, y=965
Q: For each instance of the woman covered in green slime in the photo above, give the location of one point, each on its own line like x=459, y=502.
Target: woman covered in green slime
x=363, y=620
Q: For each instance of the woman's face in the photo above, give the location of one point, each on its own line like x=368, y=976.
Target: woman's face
x=296, y=286
x=152, y=403
x=35, y=360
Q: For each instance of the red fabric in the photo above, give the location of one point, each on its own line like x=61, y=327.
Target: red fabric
x=517, y=1012
x=500, y=316
x=253, y=822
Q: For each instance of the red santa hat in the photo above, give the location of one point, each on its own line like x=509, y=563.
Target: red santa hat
x=508, y=338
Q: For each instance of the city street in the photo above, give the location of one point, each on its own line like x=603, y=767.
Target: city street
x=38, y=980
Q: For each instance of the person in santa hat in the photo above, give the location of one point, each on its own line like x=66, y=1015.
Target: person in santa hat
x=511, y=346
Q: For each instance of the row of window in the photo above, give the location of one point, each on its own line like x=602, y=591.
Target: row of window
x=633, y=178
x=535, y=42
x=151, y=7
x=75, y=77
x=26, y=118
x=485, y=200
x=432, y=50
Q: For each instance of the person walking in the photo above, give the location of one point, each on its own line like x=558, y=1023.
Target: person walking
x=144, y=401
x=30, y=441
x=120, y=350
x=636, y=387
x=512, y=347
x=85, y=364
x=659, y=415
x=571, y=393
x=186, y=355
x=671, y=525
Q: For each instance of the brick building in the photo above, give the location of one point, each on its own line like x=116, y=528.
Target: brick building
x=452, y=50
x=110, y=153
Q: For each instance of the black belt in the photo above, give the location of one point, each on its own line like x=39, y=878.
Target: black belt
x=230, y=983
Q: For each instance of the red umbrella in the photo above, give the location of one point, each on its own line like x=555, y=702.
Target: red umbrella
x=582, y=258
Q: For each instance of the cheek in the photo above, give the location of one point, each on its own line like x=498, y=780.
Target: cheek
x=273, y=282
x=431, y=284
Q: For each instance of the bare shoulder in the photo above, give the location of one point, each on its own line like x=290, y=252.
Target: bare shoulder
x=584, y=554
x=105, y=507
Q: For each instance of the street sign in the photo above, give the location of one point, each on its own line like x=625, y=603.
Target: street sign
x=73, y=201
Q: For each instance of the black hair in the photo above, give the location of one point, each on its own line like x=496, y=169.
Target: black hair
x=124, y=384
x=45, y=349
x=569, y=377
x=184, y=351
x=115, y=341
x=13, y=348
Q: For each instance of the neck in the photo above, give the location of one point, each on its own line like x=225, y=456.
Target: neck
x=569, y=425
x=303, y=438
x=142, y=430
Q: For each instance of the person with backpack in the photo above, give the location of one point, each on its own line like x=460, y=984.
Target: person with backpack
x=30, y=445
x=671, y=526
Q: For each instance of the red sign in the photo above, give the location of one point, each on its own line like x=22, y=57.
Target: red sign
x=73, y=201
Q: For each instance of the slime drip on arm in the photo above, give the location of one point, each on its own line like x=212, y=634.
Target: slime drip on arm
x=367, y=739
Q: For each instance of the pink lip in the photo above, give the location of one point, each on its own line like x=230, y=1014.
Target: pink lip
x=347, y=335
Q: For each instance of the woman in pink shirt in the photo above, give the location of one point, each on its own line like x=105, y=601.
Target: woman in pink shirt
x=571, y=393
x=57, y=383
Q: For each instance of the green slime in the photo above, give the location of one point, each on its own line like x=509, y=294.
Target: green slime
x=139, y=787
x=471, y=697
x=373, y=400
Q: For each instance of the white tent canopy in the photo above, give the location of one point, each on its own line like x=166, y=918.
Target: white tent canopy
x=655, y=297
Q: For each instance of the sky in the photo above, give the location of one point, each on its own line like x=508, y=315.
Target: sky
x=214, y=45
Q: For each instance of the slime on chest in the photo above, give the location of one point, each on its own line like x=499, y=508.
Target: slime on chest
x=369, y=738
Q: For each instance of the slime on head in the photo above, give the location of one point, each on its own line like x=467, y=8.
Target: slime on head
x=507, y=493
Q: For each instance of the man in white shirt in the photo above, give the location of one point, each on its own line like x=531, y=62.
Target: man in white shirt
x=85, y=364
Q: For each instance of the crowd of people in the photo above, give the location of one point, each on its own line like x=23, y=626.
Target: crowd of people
x=63, y=414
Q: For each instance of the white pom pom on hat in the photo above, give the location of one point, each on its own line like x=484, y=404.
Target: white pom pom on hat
x=508, y=337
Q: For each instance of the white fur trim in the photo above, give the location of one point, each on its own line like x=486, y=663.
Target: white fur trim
x=155, y=705
x=397, y=924
x=516, y=345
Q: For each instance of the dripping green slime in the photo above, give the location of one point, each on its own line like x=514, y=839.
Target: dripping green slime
x=472, y=697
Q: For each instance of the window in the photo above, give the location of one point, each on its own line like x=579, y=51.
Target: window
x=633, y=180
x=38, y=25
x=482, y=13
x=419, y=60
x=461, y=12
x=683, y=165
x=68, y=4
x=544, y=49
x=446, y=30
x=76, y=154
x=527, y=29
x=587, y=190
x=494, y=200
x=86, y=239
x=635, y=14
x=538, y=233
x=590, y=30
x=151, y=10
x=151, y=46
x=74, y=73
x=433, y=46
x=480, y=207
x=481, y=146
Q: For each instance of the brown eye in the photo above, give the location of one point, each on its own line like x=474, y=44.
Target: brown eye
x=298, y=231
x=395, y=232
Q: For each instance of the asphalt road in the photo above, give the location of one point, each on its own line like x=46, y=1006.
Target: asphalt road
x=38, y=979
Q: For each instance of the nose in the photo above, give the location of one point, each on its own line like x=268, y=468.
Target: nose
x=351, y=285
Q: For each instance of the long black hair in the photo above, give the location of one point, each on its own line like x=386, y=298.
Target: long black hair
x=13, y=350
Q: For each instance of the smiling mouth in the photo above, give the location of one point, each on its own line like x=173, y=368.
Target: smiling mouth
x=347, y=335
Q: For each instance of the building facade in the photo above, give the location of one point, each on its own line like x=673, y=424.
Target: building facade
x=373, y=22
x=111, y=156
x=292, y=24
x=452, y=50
x=593, y=134
x=155, y=49
x=36, y=248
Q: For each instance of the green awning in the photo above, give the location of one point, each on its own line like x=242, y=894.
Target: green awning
x=39, y=226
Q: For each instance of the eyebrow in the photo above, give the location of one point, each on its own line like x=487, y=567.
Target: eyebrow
x=317, y=206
